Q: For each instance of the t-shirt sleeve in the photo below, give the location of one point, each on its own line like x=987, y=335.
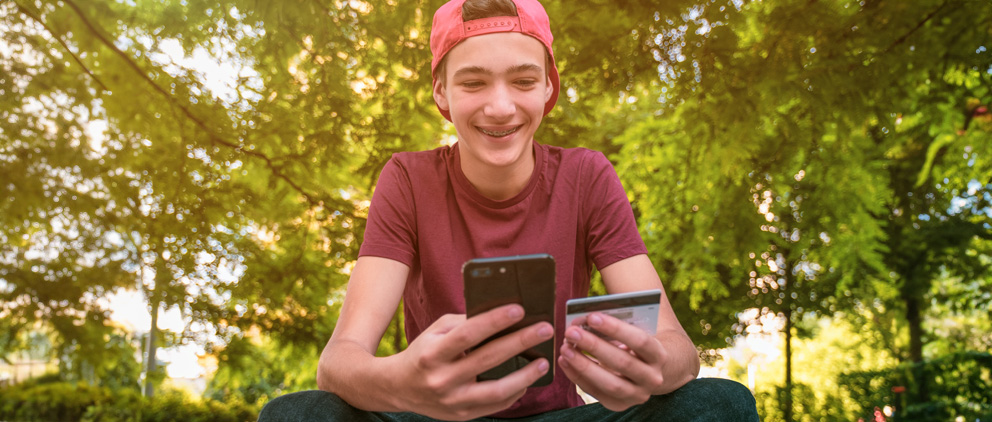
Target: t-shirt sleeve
x=611, y=228
x=391, y=229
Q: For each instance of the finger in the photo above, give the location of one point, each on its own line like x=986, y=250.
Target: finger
x=506, y=347
x=635, y=339
x=499, y=394
x=604, y=352
x=612, y=391
x=474, y=330
x=610, y=357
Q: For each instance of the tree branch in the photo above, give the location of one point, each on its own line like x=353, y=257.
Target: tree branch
x=58, y=38
x=919, y=25
x=213, y=136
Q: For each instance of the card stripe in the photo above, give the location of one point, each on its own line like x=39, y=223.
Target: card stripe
x=622, y=300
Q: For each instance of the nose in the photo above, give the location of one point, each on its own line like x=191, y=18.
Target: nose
x=501, y=105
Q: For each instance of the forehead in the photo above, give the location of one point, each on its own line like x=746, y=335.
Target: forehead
x=496, y=53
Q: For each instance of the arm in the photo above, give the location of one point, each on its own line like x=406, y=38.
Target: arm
x=624, y=376
x=433, y=376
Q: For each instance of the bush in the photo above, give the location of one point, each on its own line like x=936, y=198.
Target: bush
x=79, y=402
x=48, y=402
x=806, y=406
x=937, y=389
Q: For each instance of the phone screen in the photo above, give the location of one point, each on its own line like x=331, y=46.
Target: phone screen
x=528, y=280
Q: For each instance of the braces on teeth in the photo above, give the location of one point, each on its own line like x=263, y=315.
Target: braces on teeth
x=498, y=134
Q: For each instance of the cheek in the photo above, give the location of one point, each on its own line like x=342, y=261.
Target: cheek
x=464, y=103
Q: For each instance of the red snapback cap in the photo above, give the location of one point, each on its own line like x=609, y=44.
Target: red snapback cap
x=448, y=29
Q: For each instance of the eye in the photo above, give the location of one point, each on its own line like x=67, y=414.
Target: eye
x=526, y=82
x=472, y=84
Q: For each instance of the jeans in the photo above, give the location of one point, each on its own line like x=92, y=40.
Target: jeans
x=704, y=399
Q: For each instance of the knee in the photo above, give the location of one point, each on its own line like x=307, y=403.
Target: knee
x=706, y=399
x=724, y=397
x=300, y=406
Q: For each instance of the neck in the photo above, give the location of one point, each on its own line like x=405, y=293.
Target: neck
x=502, y=183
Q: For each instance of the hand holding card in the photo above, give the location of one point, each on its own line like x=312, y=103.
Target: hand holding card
x=639, y=309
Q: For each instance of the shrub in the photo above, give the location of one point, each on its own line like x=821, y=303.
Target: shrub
x=65, y=401
x=49, y=402
x=938, y=389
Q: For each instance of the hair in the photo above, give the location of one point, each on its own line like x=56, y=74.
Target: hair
x=479, y=9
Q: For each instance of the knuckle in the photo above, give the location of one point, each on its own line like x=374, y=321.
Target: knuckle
x=615, y=390
x=436, y=384
x=627, y=365
x=644, y=342
x=426, y=359
x=655, y=381
x=449, y=403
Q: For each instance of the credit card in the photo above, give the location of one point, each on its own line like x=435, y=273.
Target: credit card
x=639, y=309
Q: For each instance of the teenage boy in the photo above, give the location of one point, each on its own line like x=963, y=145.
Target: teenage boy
x=497, y=192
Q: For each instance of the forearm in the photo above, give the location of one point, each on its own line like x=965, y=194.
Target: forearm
x=682, y=360
x=357, y=376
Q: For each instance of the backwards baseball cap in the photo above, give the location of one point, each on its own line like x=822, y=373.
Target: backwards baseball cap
x=448, y=29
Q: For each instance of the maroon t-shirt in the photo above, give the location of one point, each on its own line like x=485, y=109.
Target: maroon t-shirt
x=427, y=215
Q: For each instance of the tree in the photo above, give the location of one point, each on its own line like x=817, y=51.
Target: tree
x=795, y=106
x=128, y=164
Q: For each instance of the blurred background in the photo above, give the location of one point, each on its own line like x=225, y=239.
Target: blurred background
x=184, y=186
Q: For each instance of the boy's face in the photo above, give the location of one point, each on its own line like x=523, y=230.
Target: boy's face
x=495, y=87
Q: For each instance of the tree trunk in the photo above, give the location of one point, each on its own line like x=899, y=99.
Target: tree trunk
x=914, y=318
x=915, y=321
x=787, y=399
x=150, y=355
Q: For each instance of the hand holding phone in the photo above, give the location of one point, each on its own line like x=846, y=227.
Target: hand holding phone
x=528, y=280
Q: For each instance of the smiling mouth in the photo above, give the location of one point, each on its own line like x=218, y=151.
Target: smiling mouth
x=500, y=133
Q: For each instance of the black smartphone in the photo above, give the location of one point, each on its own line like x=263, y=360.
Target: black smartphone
x=528, y=280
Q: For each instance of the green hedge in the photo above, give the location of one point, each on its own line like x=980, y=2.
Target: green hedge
x=71, y=402
x=954, y=385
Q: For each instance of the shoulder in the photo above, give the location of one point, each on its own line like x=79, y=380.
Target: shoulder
x=414, y=165
x=581, y=162
x=421, y=159
x=576, y=155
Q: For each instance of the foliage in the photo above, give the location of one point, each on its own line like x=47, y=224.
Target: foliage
x=53, y=402
x=257, y=371
x=805, y=159
x=959, y=384
x=79, y=402
x=808, y=406
x=804, y=111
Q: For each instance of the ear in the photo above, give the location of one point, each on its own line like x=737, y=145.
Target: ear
x=441, y=96
x=548, y=89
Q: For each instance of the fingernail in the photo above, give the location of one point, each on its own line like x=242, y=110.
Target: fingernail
x=515, y=312
x=543, y=365
x=595, y=320
x=573, y=334
x=545, y=332
x=563, y=363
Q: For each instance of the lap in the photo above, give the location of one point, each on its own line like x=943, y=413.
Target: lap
x=704, y=399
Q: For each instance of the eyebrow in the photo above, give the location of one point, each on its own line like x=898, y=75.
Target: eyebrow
x=520, y=68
